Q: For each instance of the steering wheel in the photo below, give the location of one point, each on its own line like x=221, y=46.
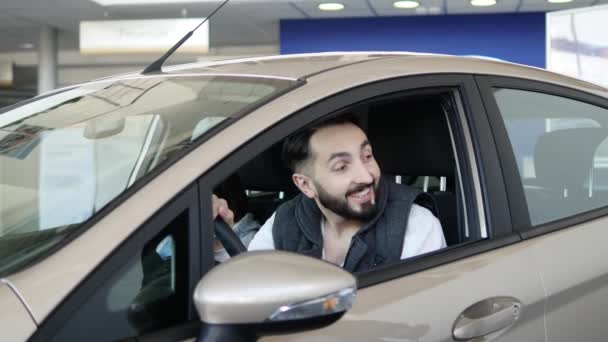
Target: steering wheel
x=228, y=237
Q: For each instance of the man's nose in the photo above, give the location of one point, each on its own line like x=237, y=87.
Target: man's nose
x=364, y=176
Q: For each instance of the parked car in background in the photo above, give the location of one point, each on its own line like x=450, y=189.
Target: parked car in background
x=106, y=226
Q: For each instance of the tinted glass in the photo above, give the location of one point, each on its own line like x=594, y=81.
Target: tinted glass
x=561, y=151
x=149, y=292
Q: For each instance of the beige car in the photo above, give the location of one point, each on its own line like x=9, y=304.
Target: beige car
x=106, y=229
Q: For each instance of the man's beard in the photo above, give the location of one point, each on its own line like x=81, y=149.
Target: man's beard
x=340, y=206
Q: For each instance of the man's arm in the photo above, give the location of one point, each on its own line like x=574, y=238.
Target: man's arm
x=423, y=234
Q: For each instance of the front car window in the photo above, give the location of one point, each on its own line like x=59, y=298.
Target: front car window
x=66, y=156
x=263, y=187
x=561, y=150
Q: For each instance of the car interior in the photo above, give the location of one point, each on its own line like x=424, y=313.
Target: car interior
x=556, y=189
x=412, y=143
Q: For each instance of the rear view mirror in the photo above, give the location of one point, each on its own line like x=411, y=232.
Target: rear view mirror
x=103, y=127
x=271, y=292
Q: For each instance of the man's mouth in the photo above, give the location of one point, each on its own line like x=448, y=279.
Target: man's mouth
x=362, y=195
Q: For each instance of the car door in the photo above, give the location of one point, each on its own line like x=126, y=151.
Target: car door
x=482, y=287
x=143, y=288
x=555, y=146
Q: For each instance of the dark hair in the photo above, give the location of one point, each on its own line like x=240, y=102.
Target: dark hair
x=296, y=147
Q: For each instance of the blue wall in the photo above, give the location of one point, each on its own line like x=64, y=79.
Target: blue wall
x=518, y=38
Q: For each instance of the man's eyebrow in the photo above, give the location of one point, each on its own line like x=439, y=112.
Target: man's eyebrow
x=338, y=155
x=346, y=154
x=365, y=144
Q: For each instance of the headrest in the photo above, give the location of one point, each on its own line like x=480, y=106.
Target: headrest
x=563, y=158
x=411, y=138
x=266, y=172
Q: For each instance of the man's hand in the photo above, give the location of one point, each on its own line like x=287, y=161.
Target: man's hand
x=220, y=207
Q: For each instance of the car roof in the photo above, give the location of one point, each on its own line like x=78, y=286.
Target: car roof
x=302, y=66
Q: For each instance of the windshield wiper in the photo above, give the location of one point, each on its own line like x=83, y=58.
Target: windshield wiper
x=157, y=64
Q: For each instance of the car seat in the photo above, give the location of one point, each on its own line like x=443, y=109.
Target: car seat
x=563, y=161
x=411, y=138
x=268, y=182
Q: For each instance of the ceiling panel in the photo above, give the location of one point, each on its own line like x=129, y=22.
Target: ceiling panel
x=385, y=7
x=9, y=21
x=465, y=7
x=251, y=12
x=52, y=17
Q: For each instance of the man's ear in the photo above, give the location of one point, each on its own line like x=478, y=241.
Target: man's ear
x=304, y=184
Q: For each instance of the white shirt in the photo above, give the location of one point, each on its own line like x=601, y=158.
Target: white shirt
x=423, y=234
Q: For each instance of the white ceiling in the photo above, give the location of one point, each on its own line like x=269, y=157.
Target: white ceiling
x=240, y=22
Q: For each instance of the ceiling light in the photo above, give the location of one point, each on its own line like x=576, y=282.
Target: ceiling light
x=483, y=3
x=558, y=1
x=406, y=4
x=331, y=6
x=26, y=46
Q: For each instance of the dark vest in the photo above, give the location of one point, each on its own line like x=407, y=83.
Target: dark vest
x=379, y=241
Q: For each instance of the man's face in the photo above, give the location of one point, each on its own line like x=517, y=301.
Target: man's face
x=344, y=174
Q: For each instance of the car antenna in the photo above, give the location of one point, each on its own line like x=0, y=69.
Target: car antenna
x=157, y=64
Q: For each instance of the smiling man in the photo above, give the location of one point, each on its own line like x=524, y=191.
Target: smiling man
x=347, y=213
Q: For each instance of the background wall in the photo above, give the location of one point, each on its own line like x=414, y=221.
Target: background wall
x=515, y=37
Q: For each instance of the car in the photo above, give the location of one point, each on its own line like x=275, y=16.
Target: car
x=107, y=231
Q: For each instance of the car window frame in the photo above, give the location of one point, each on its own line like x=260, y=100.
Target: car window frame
x=515, y=191
x=187, y=199
x=469, y=105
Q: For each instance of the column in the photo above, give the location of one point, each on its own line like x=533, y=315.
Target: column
x=47, y=59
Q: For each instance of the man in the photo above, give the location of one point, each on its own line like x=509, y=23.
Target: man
x=346, y=214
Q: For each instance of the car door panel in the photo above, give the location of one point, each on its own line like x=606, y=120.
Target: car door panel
x=17, y=324
x=424, y=306
x=574, y=268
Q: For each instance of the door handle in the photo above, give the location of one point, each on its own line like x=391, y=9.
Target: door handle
x=486, y=317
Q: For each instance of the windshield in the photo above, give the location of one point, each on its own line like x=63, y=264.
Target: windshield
x=66, y=156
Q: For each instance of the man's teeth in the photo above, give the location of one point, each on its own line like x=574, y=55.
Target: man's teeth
x=361, y=193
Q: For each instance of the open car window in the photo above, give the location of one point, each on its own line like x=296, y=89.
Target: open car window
x=413, y=141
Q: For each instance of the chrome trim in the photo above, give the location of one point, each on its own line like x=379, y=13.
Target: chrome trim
x=21, y=298
x=474, y=169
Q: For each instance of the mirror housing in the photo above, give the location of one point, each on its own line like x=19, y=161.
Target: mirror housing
x=271, y=292
x=103, y=127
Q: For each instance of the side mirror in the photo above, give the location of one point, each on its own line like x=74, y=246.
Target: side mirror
x=271, y=292
x=103, y=127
